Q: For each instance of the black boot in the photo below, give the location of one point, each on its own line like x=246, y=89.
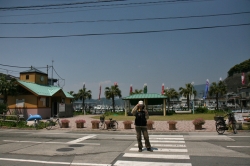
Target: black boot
x=149, y=149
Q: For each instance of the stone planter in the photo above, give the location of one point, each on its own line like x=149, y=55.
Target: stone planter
x=198, y=127
x=95, y=125
x=65, y=125
x=172, y=127
x=79, y=125
x=127, y=126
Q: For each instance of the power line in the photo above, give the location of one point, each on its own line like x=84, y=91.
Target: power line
x=65, y=4
x=13, y=66
x=108, y=5
x=136, y=19
x=129, y=5
x=20, y=66
x=57, y=74
x=9, y=70
x=126, y=33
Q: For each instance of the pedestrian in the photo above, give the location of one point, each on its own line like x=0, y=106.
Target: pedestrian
x=141, y=116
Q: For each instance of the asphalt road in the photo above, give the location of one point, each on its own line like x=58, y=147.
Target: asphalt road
x=58, y=148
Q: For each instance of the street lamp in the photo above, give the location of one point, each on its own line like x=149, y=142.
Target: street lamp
x=192, y=94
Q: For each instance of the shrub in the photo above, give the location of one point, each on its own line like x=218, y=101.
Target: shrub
x=64, y=121
x=3, y=108
x=199, y=121
x=201, y=110
x=127, y=122
x=172, y=122
x=80, y=121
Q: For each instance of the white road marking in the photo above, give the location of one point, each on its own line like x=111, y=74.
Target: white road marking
x=52, y=162
x=238, y=146
x=36, y=142
x=158, y=156
x=167, y=138
x=82, y=139
x=178, y=142
x=167, y=145
x=163, y=150
x=139, y=163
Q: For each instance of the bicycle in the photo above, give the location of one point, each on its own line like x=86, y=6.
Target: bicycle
x=50, y=122
x=102, y=123
x=113, y=124
x=221, y=125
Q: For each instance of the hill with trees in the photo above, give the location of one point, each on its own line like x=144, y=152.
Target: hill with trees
x=239, y=68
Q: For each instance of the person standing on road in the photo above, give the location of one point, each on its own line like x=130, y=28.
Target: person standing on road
x=141, y=116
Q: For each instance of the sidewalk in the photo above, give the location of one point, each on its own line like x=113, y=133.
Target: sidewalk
x=158, y=126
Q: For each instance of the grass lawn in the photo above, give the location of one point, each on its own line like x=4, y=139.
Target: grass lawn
x=162, y=118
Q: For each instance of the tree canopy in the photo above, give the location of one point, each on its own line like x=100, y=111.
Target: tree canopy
x=7, y=87
x=170, y=93
x=242, y=67
x=187, y=92
x=111, y=93
x=218, y=90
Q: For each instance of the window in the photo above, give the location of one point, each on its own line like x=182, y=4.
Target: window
x=27, y=77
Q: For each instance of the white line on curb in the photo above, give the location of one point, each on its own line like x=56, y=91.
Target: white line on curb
x=52, y=162
x=36, y=142
x=238, y=146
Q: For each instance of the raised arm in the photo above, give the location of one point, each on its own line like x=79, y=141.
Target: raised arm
x=134, y=109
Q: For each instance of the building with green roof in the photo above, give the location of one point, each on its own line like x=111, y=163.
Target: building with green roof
x=148, y=99
x=35, y=96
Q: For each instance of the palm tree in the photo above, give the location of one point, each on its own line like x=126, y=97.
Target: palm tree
x=187, y=92
x=72, y=93
x=170, y=93
x=218, y=90
x=111, y=93
x=8, y=87
x=82, y=95
x=137, y=91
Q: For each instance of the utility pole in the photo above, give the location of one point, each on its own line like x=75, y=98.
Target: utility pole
x=52, y=73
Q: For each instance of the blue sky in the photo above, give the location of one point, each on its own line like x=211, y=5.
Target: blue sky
x=173, y=58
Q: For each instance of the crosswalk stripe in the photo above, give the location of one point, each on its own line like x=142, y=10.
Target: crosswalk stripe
x=164, y=144
x=156, y=156
x=140, y=163
x=162, y=150
x=178, y=142
x=167, y=145
x=167, y=138
x=170, y=136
